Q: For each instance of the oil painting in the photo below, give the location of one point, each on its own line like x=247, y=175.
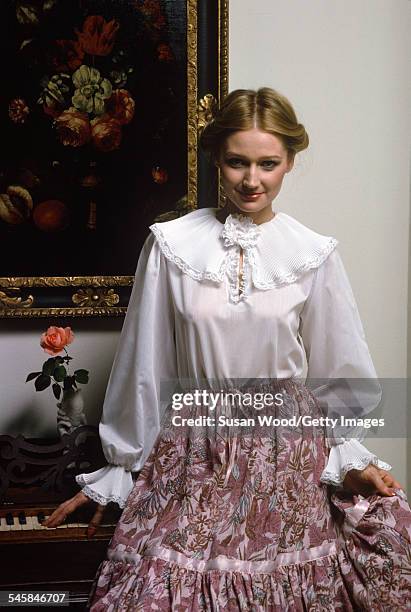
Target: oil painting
x=95, y=114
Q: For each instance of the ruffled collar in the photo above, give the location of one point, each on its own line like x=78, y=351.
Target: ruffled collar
x=275, y=253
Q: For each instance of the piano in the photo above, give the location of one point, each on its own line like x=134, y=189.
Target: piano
x=35, y=477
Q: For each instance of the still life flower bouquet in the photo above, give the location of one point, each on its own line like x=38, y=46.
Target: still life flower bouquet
x=87, y=98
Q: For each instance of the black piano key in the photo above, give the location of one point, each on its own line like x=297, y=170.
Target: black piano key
x=22, y=518
x=40, y=517
x=9, y=519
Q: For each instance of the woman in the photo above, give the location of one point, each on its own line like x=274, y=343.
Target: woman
x=240, y=515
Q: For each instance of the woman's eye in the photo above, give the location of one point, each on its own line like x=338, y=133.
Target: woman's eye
x=269, y=164
x=234, y=161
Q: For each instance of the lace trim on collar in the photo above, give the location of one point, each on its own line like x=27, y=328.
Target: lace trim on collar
x=289, y=277
x=184, y=266
x=275, y=253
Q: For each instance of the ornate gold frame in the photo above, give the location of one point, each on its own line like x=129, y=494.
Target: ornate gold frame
x=98, y=295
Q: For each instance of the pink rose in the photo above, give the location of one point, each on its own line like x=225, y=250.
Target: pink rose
x=55, y=339
x=106, y=133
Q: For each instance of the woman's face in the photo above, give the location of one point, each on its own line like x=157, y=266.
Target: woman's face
x=253, y=164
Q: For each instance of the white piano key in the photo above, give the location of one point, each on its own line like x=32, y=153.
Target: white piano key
x=62, y=526
x=26, y=526
x=36, y=524
x=16, y=526
x=30, y=524
x=3, y=525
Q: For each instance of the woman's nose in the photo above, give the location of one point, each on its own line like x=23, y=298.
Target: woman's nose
x=251, y=179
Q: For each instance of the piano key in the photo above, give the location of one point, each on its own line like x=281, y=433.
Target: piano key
x=23, y=521
x=27, y=526
x=36, y=524
x=4, y=526
x=16, y=525
x=30, y=525
x=45, y=518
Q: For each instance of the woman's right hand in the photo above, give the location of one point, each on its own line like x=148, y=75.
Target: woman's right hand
x=64, y=509
x=371, y=480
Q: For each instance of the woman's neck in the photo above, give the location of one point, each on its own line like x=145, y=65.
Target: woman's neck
x=258, y=217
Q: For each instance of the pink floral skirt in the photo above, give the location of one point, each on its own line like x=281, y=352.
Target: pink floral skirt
x=241, y=522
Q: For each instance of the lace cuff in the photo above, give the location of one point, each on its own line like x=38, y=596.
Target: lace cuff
x=351, y=455
x=111, y=483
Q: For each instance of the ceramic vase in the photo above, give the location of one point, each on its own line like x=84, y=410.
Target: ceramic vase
x=70, y=413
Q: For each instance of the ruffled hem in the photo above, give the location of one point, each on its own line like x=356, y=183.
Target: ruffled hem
x=319, y=583
x=367, y=568
x=323, y=584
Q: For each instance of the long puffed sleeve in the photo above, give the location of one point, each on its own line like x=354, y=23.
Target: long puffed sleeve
x=340, y=373
x=144, y=359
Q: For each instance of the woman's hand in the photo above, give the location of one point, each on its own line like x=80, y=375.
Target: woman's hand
x=63, y=510
x=369, y=481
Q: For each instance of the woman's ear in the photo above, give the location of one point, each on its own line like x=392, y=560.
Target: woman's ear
x=290, y=163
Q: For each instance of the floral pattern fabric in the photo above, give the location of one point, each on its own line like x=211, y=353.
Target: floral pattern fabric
x=222, y=521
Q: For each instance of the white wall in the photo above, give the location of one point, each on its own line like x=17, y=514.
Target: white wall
x=345, y=67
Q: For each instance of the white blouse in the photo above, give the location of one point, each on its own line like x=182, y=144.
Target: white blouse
x=193, y=317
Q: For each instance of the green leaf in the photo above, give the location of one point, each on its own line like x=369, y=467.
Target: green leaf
x=59, y=359
x=56, y=390
x=49, y=365
x=32, y=375
x=59, y=373
x=42, y=382
x=81, y=376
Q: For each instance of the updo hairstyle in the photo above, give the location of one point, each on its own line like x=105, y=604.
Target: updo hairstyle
x=244, y=109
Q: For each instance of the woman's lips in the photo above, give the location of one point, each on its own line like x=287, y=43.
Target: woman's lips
x=249, y=197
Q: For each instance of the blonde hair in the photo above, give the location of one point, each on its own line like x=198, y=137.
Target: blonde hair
x=244, y=109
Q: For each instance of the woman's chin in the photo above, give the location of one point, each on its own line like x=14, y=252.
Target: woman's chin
x=250, y=206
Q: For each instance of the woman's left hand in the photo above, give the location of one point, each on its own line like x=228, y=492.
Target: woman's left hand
x=369, y=481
